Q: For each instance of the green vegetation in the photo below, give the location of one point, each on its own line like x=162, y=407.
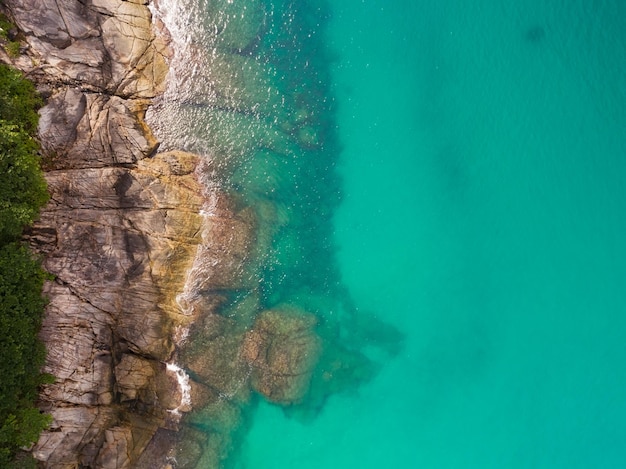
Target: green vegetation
x=21, y=353
x=18, y=100
x=12, y=47
x=22, y=186
x=22, y=193
x=5, y=26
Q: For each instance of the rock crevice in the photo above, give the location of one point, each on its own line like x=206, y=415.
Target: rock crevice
x=119, y=233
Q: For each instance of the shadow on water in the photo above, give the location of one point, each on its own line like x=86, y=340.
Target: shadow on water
x=535, y=34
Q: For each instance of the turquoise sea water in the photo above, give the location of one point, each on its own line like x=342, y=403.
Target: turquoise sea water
x=464, y=181
x=484, y=212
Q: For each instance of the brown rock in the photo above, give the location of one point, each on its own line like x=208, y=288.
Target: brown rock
x=119, y=241
x=58, y=22
x=85, y=130
x=104, y=45
x=138, y=249
x=133, y=374
x=116, y=449
x=123, y=444
x=212, y=356
x=137, y=57
x=79, y=350
x=75, y=436
x=226, y=259
x=283, y=350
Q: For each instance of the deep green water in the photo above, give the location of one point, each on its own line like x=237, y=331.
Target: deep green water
x=483, y=214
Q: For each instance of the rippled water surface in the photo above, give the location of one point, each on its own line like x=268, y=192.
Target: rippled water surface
x=463, y=182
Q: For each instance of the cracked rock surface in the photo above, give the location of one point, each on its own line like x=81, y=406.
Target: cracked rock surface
x=105, y=45
x=153, y=261
x=119, y=241
x=120, y=231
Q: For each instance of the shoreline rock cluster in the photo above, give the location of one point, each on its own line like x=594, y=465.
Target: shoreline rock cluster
x=119, y=233
x=271, y=318
x=154, y=261
x=140, y=248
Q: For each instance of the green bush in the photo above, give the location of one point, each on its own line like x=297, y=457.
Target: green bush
x=5, y=25
x=21, y=353
x=18, y=100
x=12, y=47
x=22, y=194
x=22, y=186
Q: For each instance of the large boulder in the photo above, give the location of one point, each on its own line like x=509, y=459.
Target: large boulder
x=103, y=45
x=212, y=356
x=57, y=22
x=85, y=130
x=282, y=350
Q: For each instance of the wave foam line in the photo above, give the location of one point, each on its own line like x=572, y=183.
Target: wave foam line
x=183, y=384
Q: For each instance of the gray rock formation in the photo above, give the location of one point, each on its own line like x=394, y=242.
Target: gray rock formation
x=102, y=45
x=119, y=241
x=119, y=234
x=93, y=130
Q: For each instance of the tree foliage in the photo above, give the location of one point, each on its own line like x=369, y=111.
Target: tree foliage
x=21, y=353
x=22, y=186
x=18, y=100
x=11, y=46
x=22, y=193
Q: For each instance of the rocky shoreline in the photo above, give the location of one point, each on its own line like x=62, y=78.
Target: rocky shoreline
x=119, y=233
x=159, y=270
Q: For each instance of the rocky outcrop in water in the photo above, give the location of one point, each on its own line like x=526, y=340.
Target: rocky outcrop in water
x=171, y=256
x=272, y=318
x=282, y=349
x=119, y=241
x=140, y=248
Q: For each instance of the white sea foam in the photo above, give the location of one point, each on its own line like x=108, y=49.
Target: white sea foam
x=171, y=118
x=181, y=334
x=183, y=384
x=168, y=118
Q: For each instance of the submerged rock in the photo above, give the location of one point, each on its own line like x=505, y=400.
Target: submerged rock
x=237, y=26
x=156, y=258
x=282, y=348
x=233, y=82
x=213, y=357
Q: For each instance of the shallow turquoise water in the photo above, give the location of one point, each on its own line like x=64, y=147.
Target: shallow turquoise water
x=484, y=167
